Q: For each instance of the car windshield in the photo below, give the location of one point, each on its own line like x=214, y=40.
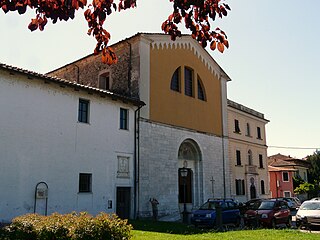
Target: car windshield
x=265, y=205
x=208, y=206
x=310, y=206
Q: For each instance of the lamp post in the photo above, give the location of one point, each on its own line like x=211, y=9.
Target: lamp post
x=184, y=174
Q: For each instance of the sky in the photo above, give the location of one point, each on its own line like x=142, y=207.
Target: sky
x=273, y=58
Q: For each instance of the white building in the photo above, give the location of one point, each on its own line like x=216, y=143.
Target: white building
x=63, y=146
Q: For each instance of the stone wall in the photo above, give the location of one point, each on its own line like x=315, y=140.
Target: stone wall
x=124, y=75
x=159, y=164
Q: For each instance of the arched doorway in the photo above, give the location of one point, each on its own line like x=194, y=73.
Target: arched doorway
x=253, y=192
x=190, y=182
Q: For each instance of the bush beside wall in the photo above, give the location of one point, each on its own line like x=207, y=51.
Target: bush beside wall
x=73, y=226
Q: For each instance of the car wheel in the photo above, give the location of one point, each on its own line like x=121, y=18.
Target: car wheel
x=239, y=222
x=289, y=222
x=273, y=223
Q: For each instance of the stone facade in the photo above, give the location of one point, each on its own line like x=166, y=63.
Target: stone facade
x=124, y=74
x=159, y=164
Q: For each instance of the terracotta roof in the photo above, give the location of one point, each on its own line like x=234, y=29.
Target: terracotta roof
x=64, y=82
x=277, y=163
x=280, y=156
x=283, y=160
x=280, y=169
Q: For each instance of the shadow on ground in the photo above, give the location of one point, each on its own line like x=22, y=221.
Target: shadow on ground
x=166, y=227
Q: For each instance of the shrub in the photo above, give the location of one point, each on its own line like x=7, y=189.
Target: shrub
x=73, y=226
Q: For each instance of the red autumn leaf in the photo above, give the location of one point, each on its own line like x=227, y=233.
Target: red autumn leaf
x=42, y=23
x=5, y=8
x=226, y=43
x=33, y=24
x=213, y=45
x=220, y=47
x=227, y=6
x=22, y=10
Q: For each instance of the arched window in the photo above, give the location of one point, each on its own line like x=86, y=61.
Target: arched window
x=188, y=81
x=201, y=90
x=263, y=191
x=175, y=80
x=249, y=157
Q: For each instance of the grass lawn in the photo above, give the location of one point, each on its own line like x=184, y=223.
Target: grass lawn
x=167, y=231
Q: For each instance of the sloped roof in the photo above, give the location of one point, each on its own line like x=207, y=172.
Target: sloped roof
x=277, y=163
x=280, y=169
x=60, y=81
x=280, y=156
x=283, y=160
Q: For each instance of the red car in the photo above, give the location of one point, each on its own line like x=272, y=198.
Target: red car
x=269, y=213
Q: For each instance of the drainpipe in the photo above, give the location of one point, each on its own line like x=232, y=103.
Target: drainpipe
x=224, y=169
x=223, y=148
x=136, y=159
x=129, y=68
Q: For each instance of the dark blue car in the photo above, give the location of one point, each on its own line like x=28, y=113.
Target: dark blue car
x=206, y=214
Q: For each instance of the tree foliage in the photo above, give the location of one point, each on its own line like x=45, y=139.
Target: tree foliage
x=309, y=188
x=314, y=169
x=297, y=180
x=312, y=187
x=196, y=14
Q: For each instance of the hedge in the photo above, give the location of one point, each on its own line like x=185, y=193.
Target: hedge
x=73, y=226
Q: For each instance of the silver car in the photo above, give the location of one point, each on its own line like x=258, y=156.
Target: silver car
x=308, y=214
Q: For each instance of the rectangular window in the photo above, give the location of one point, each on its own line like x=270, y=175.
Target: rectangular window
x=104, y=81
x=85, y=182
x=240, y=187
x=248, y=130
x=236, y=126
x=263, y=191
x=259, y=133
x=285, y=176
x=123, y=118
x=188, y=82
x=83, y=111
x=238, y=155
x=260, y=161
x=286, y=194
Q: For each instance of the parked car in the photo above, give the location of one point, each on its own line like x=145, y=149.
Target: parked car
x=206, y=215
x=269, y=213
x=249, y=204
x=293, y=202
x=308, y=214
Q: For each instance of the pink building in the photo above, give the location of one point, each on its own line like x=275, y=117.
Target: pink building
x=281, y=183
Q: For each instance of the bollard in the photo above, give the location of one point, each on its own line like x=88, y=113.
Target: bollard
x=218, y=216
